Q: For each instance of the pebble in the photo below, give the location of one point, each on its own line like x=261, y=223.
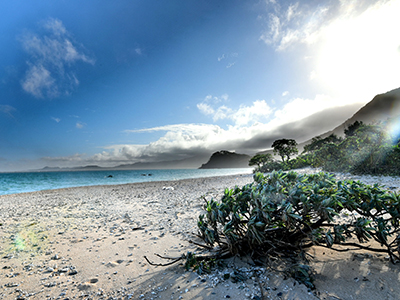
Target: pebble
x=73, y=272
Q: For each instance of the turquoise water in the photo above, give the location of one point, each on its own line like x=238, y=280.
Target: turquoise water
x=13, y=183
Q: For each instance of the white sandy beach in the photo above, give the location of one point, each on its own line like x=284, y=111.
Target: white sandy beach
x=90, y=243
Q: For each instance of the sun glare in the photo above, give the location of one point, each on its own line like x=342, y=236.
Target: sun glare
x=360, y=56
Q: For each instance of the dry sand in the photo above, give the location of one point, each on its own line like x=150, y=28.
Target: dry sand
x=90, y=243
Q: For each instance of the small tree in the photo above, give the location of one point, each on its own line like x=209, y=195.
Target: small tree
x=260, y=160
x=285, y=148
x=352, y=128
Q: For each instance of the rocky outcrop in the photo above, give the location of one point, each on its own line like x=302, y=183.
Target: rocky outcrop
x=226, y=159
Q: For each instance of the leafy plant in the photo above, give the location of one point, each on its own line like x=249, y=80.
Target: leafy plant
x=283, y=214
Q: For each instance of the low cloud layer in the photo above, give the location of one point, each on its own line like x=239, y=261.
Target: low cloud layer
x=184, y=141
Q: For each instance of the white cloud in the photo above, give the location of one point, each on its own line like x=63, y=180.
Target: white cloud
x=285, y=93
x=180, y=141
x=215, y=99
x=190, y=140
x=259, y=110
x=352, y=47
x=72, y=158
x=299, y=108
x=292, y=11
x=80, y=125
x=58, y=120
x=294, y=24
x=37, y=80
x=54, y=25
x=231, y=57
x=205, y=108
x=7, y=109
x=52, y=57
x=222, y=112
x=289, y=23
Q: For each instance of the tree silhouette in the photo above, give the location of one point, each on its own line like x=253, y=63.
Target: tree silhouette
x=351, y=129
x=285, y=148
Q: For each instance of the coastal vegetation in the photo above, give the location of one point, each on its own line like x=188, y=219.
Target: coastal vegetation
x=364, y=149
x=280, y=215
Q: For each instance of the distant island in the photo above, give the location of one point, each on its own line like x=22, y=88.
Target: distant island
x=218, y=160
x=225, y=159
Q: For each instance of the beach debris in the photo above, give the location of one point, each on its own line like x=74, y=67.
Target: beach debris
x=168, y=188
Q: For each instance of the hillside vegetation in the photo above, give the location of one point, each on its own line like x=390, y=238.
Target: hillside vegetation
x=365, y=149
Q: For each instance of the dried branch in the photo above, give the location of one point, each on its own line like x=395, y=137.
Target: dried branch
x=163, y=265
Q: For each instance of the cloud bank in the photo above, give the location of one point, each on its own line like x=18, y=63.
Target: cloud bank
x=52, y=56
x=247, y=135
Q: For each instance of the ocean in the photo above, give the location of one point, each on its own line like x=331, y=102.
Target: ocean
x=13, y=183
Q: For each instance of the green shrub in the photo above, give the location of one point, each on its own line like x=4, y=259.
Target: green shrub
x=282, y=214
x=269, y=167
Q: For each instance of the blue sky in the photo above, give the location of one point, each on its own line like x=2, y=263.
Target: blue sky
x=118, y=82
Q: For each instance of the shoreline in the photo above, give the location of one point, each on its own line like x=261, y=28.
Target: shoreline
x=90, y=242
x=42, y=182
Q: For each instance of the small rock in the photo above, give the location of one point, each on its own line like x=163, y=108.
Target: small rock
x=11, y=284
x=73, y=272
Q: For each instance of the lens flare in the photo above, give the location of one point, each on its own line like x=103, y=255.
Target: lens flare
x=394, y=129
x=28, y=238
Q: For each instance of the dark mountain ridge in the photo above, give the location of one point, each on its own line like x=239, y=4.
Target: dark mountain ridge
x=226, y=159
x=381, y=108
